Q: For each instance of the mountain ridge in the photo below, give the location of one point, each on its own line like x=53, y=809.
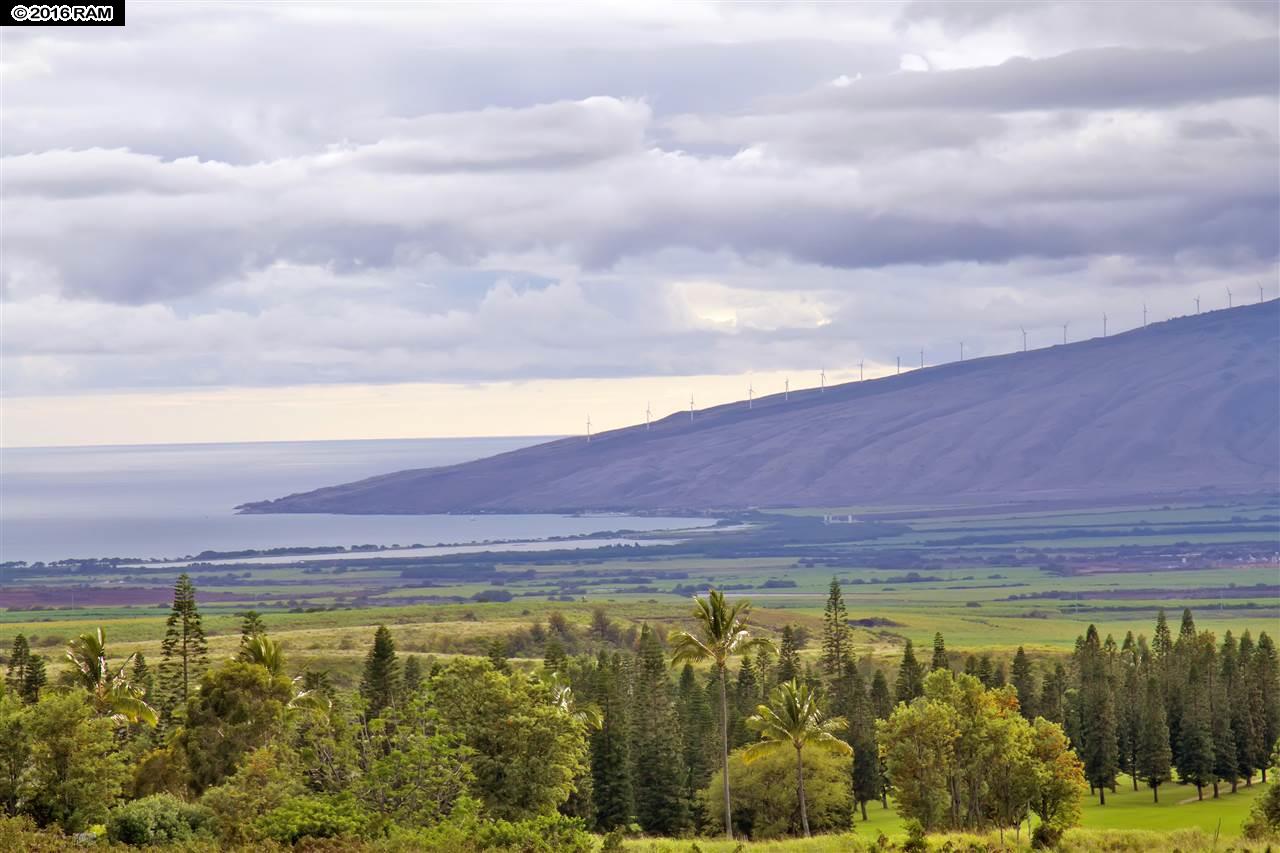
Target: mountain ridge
x=1190, y=406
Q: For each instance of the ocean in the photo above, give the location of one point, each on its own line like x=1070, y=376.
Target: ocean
x=175, y=500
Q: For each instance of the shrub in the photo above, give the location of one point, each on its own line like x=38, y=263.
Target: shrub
x=314, y=817
x=158, y=819
x=465, y=831
x=764, y=794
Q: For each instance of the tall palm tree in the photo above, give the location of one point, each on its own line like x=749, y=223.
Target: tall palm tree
x=562, y=697
x=110, y=689
x=795, y=718
x=722, y=631
x=263, y=651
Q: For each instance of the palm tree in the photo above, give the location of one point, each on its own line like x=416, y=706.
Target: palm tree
x=263, y=651
x=723, y=633
x=794, y=717
x=110, y=690
x=562, y=697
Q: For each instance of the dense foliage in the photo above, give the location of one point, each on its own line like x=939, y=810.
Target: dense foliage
x=693, y=733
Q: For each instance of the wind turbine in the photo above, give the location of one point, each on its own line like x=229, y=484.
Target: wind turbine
x=1259, y=293
x=822, y=380
x=1228, y=297
x=751, y=394
x=786, y=388
x=647, y=414
x=1197, y=304
x=859, y=370
x=899, y=359
x=922, y=358
x=690, y=408
x=1144, y=315
x=1064, y=332
x=962, y=350
x=588, y=429
x=1024, y=338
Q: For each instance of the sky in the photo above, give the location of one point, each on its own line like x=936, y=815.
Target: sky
x=291, y=221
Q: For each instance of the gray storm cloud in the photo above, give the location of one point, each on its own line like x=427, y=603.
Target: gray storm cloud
x=391, y=217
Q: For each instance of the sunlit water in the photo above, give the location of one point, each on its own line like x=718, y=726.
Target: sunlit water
x=171, y=501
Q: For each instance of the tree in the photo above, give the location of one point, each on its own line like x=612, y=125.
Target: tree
x=76, y=771
x=764, y=793
x=265, y=652
x=910, y=683
x=1247, y=715
x=380, y=682
x=238, y=708
x=1225, y=759
x=722, y=633
x=526, y=752
x=19, y=658
x=35, y=680
x=868, y=781
x=109, y=688
x=789, y=666
x=184, y=653
x=835, y=632
x=940, y=660
x=1059, y=779
x=881, y=699
x=1024, y=682
x=1129, y=702
x=411, y=678
x=15, y=751
x=251, y=625
x=1154, y=755
x=1265, y=671
x=795, y=718
x=661, y=807
x=697, y=728
x=1097, y=715
x=141, y=676
x=1195, y=753
x=612, y=791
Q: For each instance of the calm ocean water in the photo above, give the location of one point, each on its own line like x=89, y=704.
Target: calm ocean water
x=156, y=501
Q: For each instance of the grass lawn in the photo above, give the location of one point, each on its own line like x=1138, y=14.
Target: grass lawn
x=1177, y=809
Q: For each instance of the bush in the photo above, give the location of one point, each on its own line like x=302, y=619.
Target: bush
x=158, y=819
x=314, y=817
x=1264, y=817
x=465, y=831
x=764, y=794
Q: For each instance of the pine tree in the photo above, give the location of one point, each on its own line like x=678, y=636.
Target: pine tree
x=835, y=632
x=1097, y=716
x=610, y=753
x=34, y=680
x=999, y=676
x=1025, y=683
x=251, y=625
x=985, y=670
x=1154, y=755
x=881, y=698
x=1225, y=760
x=1247, y=704
x=1194, y=758
x=1053, y=695
x=1235, y=688
x=554, y=657
x=141, y=677
x=867, y=776
x=19, y=660
x=184, y=654
x=746, y=696
x=380, y=683
x=940, y=660
x=661, y=807
x=1129, y=707
x=497, y=654
x=697, y=732
x=910, y=683
x=411, y=678
x=1264, y=670
x=789, y=666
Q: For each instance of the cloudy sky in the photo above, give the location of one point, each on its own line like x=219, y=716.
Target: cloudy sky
x=289, y=221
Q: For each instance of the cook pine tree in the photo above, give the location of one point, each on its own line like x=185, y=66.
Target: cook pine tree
x=184, y=653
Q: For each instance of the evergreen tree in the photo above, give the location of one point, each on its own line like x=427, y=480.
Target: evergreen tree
x=746, y=696
x=971, y=665
x=497, y=654
x=999, y=676
x=940, y=660
x=184, y=654
x=1264, y=669
x=765, y=669
x=1024, y=682
x=881, y=698
x=985, y=670
x=19, y=659
x=1225, y=760
x=660, y=804
x=697, y=732
x=380, y=683
x=789, y=666
x=141, y=676
x=1053, y=695
x=1194, y=758
x=1129, y=706
x=910, y=683
x=1097, y=716
x=251, y=625
x=1154, y=754
x=411, y=679
x=835, y=632
x=554, y=657
x=867, y=776
x=1247, y=704
x=34, y=680
x=610, y=753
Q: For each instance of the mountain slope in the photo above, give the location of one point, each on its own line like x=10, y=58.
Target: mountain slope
x=1190, y=405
